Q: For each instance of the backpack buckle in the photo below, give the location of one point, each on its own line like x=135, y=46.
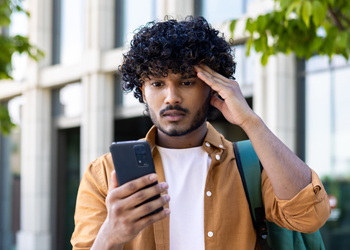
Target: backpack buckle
x=260, y=222
x=262, y=229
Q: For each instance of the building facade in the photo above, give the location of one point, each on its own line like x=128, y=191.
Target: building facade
x=69, y=106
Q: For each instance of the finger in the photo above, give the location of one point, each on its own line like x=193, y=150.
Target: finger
x=144, y=194
x=131, y=187
x=114, y=182
x=216, y=84
x=149, y=207
x=217, y=102
x=211, y=77
x=145, y=222
x=214, y=73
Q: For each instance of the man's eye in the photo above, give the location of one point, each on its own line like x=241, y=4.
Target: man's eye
x=187, y=83
x=156, y=84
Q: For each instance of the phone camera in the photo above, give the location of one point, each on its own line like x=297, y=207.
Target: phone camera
x=141, y=158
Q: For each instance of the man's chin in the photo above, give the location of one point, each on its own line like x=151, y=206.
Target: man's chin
x=174, y=130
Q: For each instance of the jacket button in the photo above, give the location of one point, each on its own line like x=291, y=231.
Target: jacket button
x=210, y=234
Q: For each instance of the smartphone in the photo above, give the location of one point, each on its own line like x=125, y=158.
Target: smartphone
x=132, y=160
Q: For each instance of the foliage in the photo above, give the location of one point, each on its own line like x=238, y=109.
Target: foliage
x=8, y=46
x=6, y=124
x=305, y=27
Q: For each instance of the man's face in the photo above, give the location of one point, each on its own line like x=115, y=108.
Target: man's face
x=177, y=104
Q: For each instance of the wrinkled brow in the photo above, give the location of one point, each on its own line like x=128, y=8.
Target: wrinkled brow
x=182, y=77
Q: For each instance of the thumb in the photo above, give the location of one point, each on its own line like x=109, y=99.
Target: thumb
x=114, y=182
x=216, y=102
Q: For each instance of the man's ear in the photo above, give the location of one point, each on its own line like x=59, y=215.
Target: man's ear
x=143, y=93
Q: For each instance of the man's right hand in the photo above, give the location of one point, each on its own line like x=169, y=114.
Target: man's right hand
x=123, y=222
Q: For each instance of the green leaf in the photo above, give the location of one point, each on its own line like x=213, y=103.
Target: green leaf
x=318, y=12
x=260, y=44
x=250, y=25
x=19, y=8
x=316, y=44
x=232, y=27
x=342, y=40
x=264, y=59
x=285, y=3
x=249, y=45
x=5, y=121
x=262, y=23
x=298, y=9
x=306, y=13
x=5, y=21
x=291, y=8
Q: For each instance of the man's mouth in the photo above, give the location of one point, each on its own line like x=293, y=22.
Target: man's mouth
x=173, y=115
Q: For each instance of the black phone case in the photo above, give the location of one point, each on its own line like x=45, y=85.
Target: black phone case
x=127, y=168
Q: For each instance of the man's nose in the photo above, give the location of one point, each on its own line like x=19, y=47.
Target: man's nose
x=172, y=96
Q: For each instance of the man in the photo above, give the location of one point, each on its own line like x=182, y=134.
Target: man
x=179, y=70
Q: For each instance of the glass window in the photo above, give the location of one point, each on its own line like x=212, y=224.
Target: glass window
x=19, y=26
x=327, y=120
x=322, y=63
x=341, y=118
x=245, y=72
x=67, y=181
x=317, y=63
x=317, y=122
x=218, y=11
x=121, y=98
x=118, y=91
x=67, y=101
x=135, y=17
x=68, y=31
x=327, y=139
x=118, y=23
x=129, y=100
x=10, y=177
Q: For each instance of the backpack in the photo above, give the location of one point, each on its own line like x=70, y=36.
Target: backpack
x=270, y=235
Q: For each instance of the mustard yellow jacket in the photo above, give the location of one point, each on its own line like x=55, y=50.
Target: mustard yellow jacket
x=226, y=211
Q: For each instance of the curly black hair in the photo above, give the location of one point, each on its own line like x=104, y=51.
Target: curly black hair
x=174, y=45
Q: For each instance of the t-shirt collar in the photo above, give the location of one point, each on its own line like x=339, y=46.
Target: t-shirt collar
x=212, y=139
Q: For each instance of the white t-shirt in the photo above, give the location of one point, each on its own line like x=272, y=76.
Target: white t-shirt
x=186, y=172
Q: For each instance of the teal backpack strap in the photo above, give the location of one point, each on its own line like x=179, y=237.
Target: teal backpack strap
x=246, y=156
x=279, y=238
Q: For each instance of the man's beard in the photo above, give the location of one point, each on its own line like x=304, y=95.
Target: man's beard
x=197, y=121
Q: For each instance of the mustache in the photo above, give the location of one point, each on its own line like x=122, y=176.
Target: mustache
x=176, y=107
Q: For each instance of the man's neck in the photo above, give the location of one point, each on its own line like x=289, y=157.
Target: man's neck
x=192, y=139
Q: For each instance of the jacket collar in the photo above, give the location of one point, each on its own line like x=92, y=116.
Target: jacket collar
x=213, y=139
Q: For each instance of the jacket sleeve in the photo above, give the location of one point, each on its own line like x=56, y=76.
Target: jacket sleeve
x=306, y=212
x=91, y=211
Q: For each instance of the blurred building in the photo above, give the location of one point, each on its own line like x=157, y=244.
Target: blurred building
x=69, y=107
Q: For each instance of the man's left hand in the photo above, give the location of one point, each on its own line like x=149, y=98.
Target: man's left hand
x=234, y=106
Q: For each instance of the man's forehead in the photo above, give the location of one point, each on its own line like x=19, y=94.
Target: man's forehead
x=170, y=73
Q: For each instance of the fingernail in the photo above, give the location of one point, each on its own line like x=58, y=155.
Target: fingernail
x=153, y=177
x=164, y=185
x=167, y=197
x=167, y=212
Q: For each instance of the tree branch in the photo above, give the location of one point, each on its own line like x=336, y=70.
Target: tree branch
x=344, y=18
x=335, y=18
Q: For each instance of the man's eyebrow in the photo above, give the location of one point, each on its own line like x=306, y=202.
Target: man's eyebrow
x=188, y=77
